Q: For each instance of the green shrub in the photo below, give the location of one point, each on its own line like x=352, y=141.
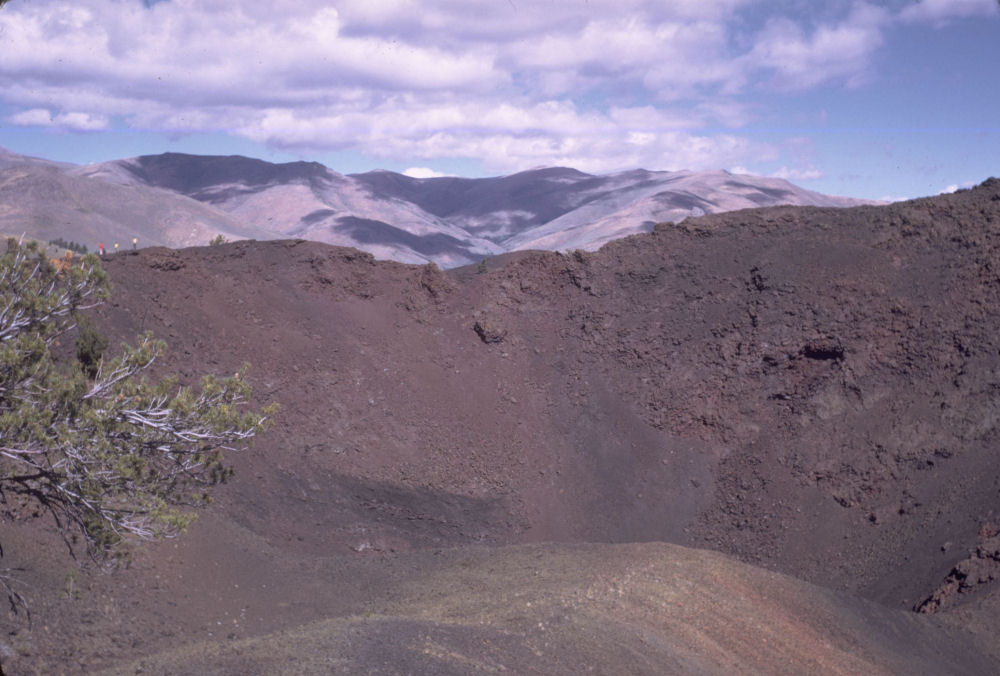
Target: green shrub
x=90, y=345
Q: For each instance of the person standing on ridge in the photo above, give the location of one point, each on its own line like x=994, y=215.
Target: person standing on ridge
x=116, y=247
x=100, y=248
x=135, y=241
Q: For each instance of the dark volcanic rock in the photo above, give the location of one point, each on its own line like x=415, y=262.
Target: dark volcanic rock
x=824, y=376
x=489, y=333
x=814, y=391
x=982, y=567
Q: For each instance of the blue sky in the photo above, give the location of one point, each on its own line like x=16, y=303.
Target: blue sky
x=882, y=100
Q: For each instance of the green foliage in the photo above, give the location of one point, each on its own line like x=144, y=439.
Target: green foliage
x=72, y=246
x=217, y=240
x=484, y=266
x=90, y=345
x=108, y=453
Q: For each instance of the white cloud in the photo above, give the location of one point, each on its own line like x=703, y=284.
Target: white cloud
x=797, y=174
x=423, y=172
x=36, y=117
x=72, y=121
x=617, y=84
x=941, y=11
x=800, y=60
x=508, y=137
x=81, y=121
x=955, y=187
x=184, y=52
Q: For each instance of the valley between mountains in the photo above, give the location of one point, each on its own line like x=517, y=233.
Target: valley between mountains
x=762, y=441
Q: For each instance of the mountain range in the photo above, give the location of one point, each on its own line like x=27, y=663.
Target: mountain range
x=182, y=200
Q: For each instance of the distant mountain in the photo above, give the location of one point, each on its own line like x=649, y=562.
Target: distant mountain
x=181, y=200
x=9, y=159
x=622, y=204
x=494, y=208
x=560, y=208
x=46, y=200
x=308, y=201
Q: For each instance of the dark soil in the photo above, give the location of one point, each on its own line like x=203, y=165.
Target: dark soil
x=813, y=391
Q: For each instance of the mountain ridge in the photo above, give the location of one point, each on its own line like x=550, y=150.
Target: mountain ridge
x=451, y=221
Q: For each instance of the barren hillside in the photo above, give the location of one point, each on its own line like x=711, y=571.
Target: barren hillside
x=180, y=200
x=809, y=390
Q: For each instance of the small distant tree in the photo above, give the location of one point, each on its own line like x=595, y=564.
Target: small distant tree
x=217, y=240
x=109, y=454
x=66, y=244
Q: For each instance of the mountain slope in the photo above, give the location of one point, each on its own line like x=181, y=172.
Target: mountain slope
x=562, y=209
x=181, y=200
x=493, y=208
x=9, y=159
x=809, y=390
x=47, y=201
x=308, y=200
x=635, y=201
x=452, y=221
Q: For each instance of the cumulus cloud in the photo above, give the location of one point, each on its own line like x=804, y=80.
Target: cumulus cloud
x=621, y=83
x=509, y=137
x=838, y=51
x=36, y=117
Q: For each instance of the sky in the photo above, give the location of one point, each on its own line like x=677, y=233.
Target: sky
x=881, y=100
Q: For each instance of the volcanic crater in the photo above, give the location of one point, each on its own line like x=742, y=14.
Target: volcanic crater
x=763, y=441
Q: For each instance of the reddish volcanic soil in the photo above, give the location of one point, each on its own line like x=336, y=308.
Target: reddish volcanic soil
x=812, y=391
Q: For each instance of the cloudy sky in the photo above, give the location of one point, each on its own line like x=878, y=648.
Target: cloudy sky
x=870, y=99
